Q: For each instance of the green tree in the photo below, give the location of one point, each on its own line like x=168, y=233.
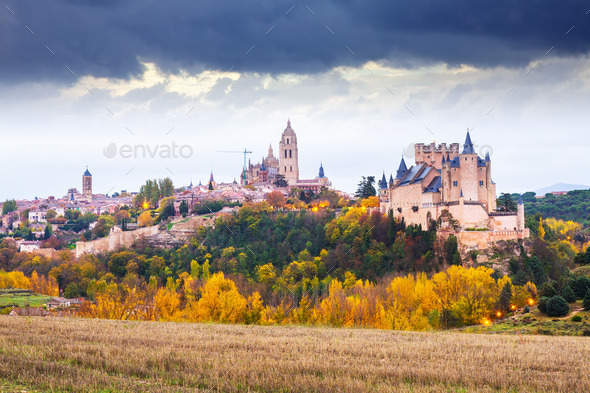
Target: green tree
x=506, y=203
x=8, y=206
x=51, y=214
x=580, y=285
x=586, y=302
x=102, y=227
x=280, y=181
x=48, y=231
x=568, y=294
x=183, y=208
x=366, y=187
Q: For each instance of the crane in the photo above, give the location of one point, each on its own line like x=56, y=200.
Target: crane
x=245, y=152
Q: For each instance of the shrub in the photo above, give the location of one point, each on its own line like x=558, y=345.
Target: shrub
x=576, y=318
x=568, y=294
x=526, y=310
x=557, y=307
x=542, y=305
x=586, y=333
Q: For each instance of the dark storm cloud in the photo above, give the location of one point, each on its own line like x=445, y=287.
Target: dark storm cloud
x=108, y=38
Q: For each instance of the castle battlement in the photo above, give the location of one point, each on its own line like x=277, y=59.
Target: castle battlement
x=433, y=154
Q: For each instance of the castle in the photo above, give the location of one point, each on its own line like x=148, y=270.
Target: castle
x=287, y=164
x=455, y=187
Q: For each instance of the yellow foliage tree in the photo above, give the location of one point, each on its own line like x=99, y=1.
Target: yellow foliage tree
x=145, y=219
x=220, y=301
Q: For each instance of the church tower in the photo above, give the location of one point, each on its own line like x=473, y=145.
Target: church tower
x=87, y=184
x=288, y=155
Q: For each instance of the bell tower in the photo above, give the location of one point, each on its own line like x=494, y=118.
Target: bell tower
x=87, y=184
x=289, y=155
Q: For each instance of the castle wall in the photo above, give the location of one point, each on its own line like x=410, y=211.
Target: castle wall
x=505, y=223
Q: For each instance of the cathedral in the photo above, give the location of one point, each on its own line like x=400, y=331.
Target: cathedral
x=286, y=164
x=454, y=184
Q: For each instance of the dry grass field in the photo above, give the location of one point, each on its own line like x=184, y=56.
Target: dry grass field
x=69, y=354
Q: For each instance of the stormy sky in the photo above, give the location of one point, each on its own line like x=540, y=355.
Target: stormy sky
x=360, y=80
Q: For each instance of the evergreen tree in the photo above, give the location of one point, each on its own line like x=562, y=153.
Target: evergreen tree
x=366, y=187
x=568, y=294
x=48, y=231
x=505, y=298
x=183, y=208
x=280, y=181
x=506, y=203
x=580, y=286
x=557, y=307
x=586, y=302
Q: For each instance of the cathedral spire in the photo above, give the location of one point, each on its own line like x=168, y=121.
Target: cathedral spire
x=321, y=174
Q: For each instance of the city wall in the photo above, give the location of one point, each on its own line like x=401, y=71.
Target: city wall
x=113, y=241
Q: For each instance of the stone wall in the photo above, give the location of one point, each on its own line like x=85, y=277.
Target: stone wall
x=114, y=241
x=483, y=239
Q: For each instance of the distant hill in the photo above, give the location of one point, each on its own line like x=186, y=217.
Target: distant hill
x=560, y=187
x=575, y=205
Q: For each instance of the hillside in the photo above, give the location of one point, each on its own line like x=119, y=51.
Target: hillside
x=82, y=355
x=560, y=187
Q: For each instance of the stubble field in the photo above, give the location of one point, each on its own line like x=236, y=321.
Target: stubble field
x=70, y=354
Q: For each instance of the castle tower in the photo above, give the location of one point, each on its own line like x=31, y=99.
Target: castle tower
x=288, y=155
x=87, y=184
x=468, y=180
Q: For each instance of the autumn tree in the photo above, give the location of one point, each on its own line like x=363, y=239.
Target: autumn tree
x=276, y=199
x=145, y=219
x=220, y=301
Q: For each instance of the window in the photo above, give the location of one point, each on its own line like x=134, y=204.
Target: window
x=287, y=141
x=481, y=183
x=285, y=153
x=290, y=155
x=285, y=169
x=455, y=183
x=291, y=168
